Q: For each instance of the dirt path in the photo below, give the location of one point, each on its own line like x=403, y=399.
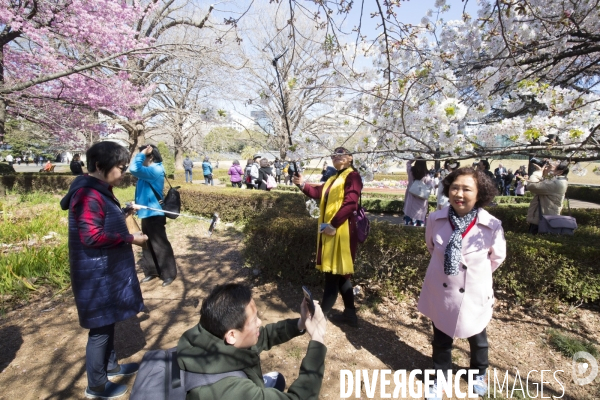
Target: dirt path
x=42, y=346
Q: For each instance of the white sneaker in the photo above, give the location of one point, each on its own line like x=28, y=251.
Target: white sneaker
x=431, y=392
x=480, y=385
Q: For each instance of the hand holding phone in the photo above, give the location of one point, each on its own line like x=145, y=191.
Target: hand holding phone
x=309, y=300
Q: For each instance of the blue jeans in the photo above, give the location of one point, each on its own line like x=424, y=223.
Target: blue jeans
x=188, y=172
x=100, y=354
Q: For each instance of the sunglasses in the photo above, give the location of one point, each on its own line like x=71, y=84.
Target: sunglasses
x=339, y=154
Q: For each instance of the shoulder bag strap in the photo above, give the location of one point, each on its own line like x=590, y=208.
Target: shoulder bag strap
x=158, y=197
x=167, y=179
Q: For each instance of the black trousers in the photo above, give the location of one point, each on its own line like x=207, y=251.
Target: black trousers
x=159, y=244
x=100, y=354
x=333, y=285
x=442, y=351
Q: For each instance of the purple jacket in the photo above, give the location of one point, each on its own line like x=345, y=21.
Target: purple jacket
x=235, y=173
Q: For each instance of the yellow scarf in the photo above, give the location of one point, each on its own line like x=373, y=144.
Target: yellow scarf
x=335, y=250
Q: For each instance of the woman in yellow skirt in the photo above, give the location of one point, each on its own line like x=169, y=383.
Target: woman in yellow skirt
x=336, y=238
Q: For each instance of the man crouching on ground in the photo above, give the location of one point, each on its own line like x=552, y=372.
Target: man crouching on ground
x=229, y=338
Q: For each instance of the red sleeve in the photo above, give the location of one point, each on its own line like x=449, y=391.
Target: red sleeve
x=87, y=206
x=314, y=192
x=352, y=189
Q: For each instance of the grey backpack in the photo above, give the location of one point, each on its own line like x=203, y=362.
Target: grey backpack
x=160, y=378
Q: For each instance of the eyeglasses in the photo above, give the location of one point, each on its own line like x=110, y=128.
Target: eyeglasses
x=123, y=168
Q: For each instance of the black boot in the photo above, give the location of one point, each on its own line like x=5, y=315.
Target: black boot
x=347, y=317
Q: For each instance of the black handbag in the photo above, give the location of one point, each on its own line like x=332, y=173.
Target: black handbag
x=557, y=224
x=171, y=202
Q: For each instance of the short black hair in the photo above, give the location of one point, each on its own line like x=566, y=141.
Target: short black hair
x=225, y=309
x=104, y=156
x=564, y=167
x=486, y=164
x=486, y=188
x=156, y=157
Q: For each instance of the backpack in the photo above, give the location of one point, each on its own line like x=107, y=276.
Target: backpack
x=248, y=177
x=271, y=182
x=171, y=202
x=160, y=378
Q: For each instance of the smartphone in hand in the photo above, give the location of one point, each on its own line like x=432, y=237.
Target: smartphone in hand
x=323, y=226
x=309, y=300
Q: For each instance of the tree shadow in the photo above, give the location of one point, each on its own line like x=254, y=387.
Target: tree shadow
x=11, y=340
x=129, y=336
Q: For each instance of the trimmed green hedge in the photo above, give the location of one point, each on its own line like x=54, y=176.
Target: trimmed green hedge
x=6, y=169
x=234, y=204
x=34, y=181
x=394, y=259
x=584, y=193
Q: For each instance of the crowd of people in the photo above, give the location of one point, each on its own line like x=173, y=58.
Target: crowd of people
x=466, y=244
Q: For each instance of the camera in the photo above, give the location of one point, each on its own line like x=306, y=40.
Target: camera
x=539, y=162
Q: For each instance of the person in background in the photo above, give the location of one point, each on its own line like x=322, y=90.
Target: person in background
x=188, y=165
x=442, y=201
x=548, y=184
x=18, y=159
x=327, y=172
x=158, y=258
x=10, y=159
x=337, y=238
x=102, y=265
x=499, y=174
x=436, y=180
x=235, y=174
x=263, y=173
x=248, y=174
x=467, y=245
x=521, y=185
x=47, y=167
x=286, y=176
x=292, y=170
x=207, y=170
x=415, y=209
x=278, y=165
x=484, y=165
x=254, y=169
x=76, y=165
x=508, y=179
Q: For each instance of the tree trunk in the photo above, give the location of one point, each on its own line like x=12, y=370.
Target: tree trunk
x=178, y=157
x=2, y=101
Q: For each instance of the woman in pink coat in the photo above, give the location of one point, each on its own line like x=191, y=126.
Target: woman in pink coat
x=467, y=245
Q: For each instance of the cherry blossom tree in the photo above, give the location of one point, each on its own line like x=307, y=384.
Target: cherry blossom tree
x=54, y=62
x=520, y=77
x=181, y=32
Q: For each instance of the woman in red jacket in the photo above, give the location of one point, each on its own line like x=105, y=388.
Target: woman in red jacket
x=337, y=239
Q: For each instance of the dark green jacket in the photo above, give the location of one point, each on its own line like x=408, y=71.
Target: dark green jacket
x=200, y=351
